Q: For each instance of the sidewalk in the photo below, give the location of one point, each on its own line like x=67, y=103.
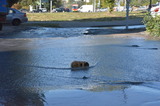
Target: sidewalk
x=66, y=24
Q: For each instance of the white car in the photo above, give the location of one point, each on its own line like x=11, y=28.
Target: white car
x=43, y=9
x=16, y=17
x=155, y=11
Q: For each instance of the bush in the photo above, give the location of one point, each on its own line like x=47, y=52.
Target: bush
x=152, y=25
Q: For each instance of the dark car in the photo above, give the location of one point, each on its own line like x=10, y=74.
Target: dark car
x=61, y=10
x=66, y=9
x=37, y=11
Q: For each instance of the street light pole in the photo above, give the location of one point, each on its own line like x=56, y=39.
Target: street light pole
x=127, y=13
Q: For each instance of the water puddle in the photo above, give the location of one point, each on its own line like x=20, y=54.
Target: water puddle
x=126, y=70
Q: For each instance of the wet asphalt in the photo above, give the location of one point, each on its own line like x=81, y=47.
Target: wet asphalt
x=117, y=63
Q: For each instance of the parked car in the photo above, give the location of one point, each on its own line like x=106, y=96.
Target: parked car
x=155, y=11
x=101, y=9
x=16, y=17
x=57, y=10
x=36, y=11
x=61, y=10
x=43, y=9
x=40, y=10
x=119, y=8
x=141, y=8
x=66, y=9
x=24, y=10
x=130, y=9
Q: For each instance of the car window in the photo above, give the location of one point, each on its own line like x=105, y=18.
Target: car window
x=11, y=11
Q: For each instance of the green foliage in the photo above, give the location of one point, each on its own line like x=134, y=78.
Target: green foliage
x=46, y=5
x=57, y=3
x=110, y=5
x=142, y=2
x=152, y=25
x=21, y=2
x=103, y=4
x=27, y=2
x=122, y=3
x=107, y=4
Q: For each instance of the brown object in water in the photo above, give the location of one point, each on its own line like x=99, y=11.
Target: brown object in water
x=79, y=64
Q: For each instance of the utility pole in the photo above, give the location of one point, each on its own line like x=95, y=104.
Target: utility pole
x=50, y=5
x=150, y=5
x=40, y=1
x=127, y=13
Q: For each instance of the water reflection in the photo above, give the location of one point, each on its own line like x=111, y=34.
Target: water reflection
x=15, y=87
x=21, y=97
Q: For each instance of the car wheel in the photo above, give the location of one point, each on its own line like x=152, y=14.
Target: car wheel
x=16, y=22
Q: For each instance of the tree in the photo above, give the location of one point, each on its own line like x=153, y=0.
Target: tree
x=22, y=2
x=103, y=4
x=107, y=4
x=57, y=3
x=110, y=4
x=16, y=6
x=142, y=2
x=11, y=2
x=27, y=2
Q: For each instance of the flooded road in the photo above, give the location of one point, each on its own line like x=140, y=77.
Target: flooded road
x=125, y=70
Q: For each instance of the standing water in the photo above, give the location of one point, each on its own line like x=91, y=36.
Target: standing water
x=122, y=74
